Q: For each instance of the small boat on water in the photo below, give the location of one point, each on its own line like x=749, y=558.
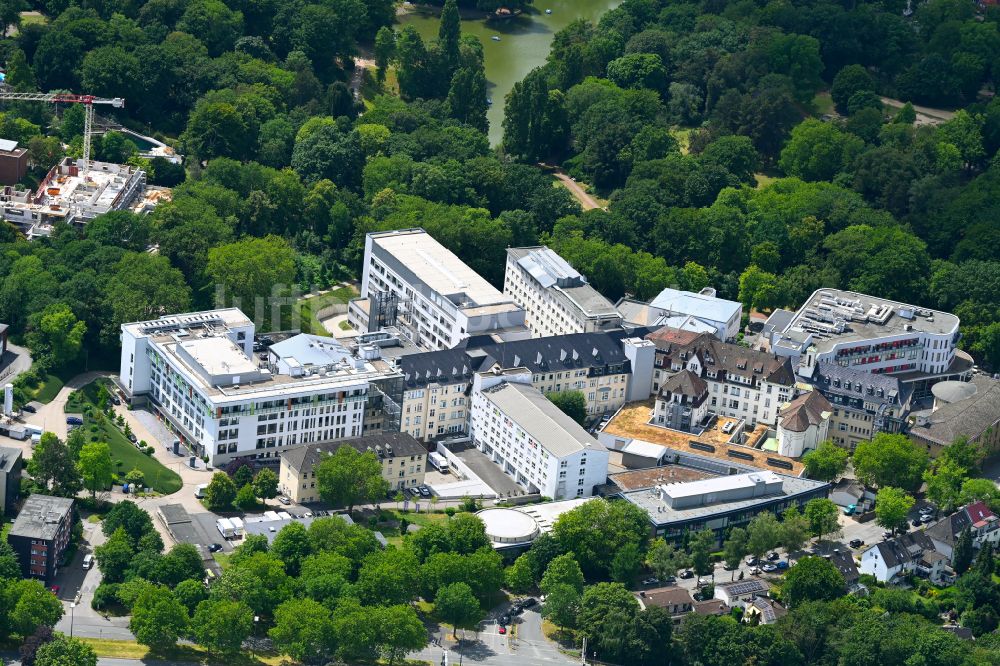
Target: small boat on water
x=548, y=11
x=495, y=38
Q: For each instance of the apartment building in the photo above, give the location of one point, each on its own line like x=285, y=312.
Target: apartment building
x=533, y=441
x=742, y=383
x=878, y=336
x=40, y=535
x=556, y=298
x=200, y=374
x=864, y=403
x=701, y=312
x=411, y=281
x=403, y=460
x=609, y=368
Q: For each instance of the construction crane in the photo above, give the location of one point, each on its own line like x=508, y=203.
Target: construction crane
x=88, y=102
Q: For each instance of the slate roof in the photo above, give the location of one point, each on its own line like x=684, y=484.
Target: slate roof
x=905, y=548
x=770, y=611
x=539, y=355
x=846, y=566
x=970, y=417
x=307, y=455
x=723, y=357
x=805, y=411
x=834, y=379
x=686, y=383
x=947, y=530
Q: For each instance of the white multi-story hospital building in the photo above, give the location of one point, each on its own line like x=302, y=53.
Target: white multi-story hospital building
x=199, y=372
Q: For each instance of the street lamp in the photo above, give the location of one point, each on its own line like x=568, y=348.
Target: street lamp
x=72, y=613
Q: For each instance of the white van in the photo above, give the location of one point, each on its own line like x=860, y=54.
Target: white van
x=88, y=561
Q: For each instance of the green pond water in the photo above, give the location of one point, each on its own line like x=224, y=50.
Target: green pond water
x=524, y=42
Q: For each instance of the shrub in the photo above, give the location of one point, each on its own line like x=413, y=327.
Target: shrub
x=105, y=596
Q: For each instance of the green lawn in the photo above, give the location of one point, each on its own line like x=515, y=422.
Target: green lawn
x=29, y=19
x=158, y=477
x=308, y=307
x=47, y=390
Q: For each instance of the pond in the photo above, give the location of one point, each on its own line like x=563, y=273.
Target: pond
x=523, y=45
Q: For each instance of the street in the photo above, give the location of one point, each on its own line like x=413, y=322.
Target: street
x=524, y=644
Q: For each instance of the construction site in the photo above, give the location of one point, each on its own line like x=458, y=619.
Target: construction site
x=76, y=191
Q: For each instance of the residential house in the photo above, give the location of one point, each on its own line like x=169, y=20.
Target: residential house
x=912, y=553
x=982, y=524
x=675, y=600
x=762, y=610
x=740, y=592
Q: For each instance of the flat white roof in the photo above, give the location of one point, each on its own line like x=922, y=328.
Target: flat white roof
x=720, y=484
x=218, y=356
x=699, y=305
x=437, y=266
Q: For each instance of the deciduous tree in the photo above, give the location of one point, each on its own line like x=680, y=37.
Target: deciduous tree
x=348, y=477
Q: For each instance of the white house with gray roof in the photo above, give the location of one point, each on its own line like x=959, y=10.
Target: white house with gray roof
x=533, y=441
x=556, y=298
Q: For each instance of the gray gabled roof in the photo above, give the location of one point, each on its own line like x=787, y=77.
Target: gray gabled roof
x=539, y=355
x=401, y=443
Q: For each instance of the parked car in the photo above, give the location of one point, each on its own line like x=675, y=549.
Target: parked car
x=502, y=630
x=927, y=518
x=887, y=534
x=115, y=399
x=424, y=490
x=755, y=571
x=504, y=619
x=74, y=420
x=215, y=547
x=781, y=564
x=669, y=580
x=856, y=543
x=925, y=510
x=131, y=437
x=769, y=567
x=284, y=500
x=651, y=581
x=529, y=602
x=687, y=573
x=917, y=522
x=772, y=556
x=88, y=561
x=28, y=408
x=704, y=580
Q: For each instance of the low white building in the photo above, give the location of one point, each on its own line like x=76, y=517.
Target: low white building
x=556, y=298
x=533, y=441
x=701, y=312
x=199, y=372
